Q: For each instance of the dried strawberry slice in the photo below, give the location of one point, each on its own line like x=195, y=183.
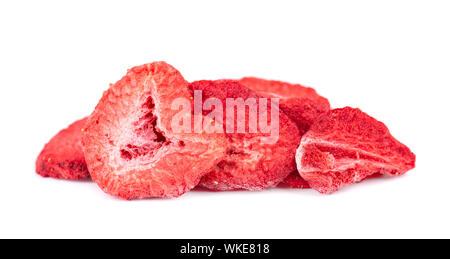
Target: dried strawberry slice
x=346, y=146
x=131, y=149
x=302, y=104
x=63, y=156
x=249, y=164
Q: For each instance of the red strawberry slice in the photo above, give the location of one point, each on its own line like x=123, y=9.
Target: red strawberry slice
x=302, y=104
x=346, y=146
x=63, y=156
x=131, y=149
x=249, y=164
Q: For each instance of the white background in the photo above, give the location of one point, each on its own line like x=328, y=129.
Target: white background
x=389, y=58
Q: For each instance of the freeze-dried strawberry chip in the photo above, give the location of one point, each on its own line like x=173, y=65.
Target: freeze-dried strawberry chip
x=346, y=146
x=249, y=164
x=63, y=156
x=302, y=104
x=131, y=149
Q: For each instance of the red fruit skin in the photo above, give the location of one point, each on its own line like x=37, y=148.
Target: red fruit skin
x=249, y=164
x=130, y=147
x=346, y=146
x=302, y=104
x=63, y=156
x=294, y=180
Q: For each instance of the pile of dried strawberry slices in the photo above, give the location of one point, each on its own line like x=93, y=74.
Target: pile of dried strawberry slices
x=153, y=134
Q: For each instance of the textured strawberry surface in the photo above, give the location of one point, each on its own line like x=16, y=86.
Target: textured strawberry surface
x=294, y=180
x=249, y=164
x=63, y=156
x=130, y=147
x=302, y=104
x=346, y=146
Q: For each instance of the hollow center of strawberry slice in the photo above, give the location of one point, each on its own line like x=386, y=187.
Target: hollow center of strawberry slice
x=148, y=139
